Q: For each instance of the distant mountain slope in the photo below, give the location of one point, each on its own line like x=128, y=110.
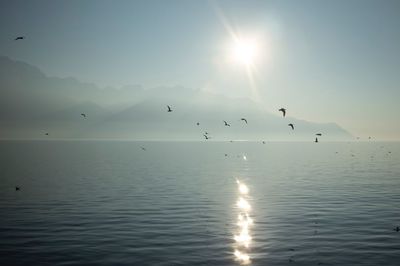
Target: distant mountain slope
x=32, y=103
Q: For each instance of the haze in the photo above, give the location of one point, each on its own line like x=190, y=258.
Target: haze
x=327, y=62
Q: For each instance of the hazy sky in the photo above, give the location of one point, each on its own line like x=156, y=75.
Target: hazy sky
x=324, y=60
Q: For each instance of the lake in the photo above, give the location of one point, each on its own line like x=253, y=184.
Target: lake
x=199, y=203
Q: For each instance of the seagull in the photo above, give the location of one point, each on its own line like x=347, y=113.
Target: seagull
x=198, y=123
x=47, y=134
x=318, y=134
x=397, y=229
x=83, y=115
x=206, y=133
x=316, y=141
x=207, y=137
x=226, y=154
x=143, y=148
x=283, y=110
x=17, y=188
x=263, y=142
x=226, y=124
x=169, y=109
x=19, y=38
x=244, y=119
x=291, y=125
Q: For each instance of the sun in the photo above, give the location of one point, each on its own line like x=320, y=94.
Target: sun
x=244, y=51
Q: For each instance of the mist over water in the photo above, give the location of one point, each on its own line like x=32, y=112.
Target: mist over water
x=183, y=203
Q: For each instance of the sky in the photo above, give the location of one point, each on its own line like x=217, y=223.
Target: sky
x=325, y=61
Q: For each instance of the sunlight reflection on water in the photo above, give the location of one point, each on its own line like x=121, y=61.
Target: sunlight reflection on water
x=243, y=237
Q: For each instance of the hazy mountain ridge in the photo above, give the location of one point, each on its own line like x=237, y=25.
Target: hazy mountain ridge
x=32, y=103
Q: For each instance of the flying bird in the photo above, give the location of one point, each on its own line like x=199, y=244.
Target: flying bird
x=318, y=134
x=283, y=110
x=47, y=134
x=244, y=119
x=19, y=38
x=207, y=137
x=83, y=115
x=316, y=141
x=169, y=109
x=291, y=125
x=263, y=142
x=226, y=124
x=206, y=133
x=143, y=148
x=17, y=188
x=198, y=123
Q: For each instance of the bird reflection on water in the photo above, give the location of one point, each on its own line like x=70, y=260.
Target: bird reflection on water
x=242, y=237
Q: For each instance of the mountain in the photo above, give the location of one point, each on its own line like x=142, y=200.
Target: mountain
x=32, y=103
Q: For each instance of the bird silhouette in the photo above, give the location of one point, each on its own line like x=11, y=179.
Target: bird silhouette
x=17, y=188
x=397, y=229
x=19, y=38
x=283, y=110
x=318, y=134
x=226, y=124
x=169, y=109
x=206, y=133
x=47, y=134
x=244, y=119
x=316, y=140
x=207, y=137
x=198, y=123
x=143, y=148
x=83, y=115
x=263, y=142
x=291, y=125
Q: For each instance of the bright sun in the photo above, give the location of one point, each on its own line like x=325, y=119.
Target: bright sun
x=244, y=51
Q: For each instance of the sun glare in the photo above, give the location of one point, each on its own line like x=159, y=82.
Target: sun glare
x=244, y=51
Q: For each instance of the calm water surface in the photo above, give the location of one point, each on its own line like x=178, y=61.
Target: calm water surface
x=111, y=203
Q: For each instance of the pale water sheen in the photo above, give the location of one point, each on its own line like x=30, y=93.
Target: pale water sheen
x=111, y=203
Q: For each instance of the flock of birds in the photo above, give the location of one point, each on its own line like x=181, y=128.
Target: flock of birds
x=283, y=110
